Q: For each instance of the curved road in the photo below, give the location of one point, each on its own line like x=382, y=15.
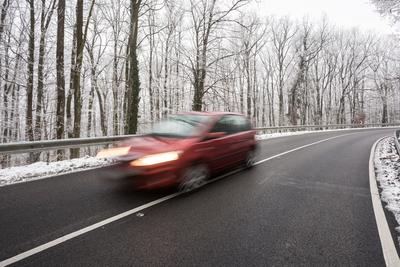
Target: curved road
x=310, y=206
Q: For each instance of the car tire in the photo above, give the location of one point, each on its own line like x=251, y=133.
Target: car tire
x=250, y=159
x=194, y=177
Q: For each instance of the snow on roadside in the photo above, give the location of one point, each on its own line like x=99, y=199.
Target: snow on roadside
x=387, y=170
x=42, y=169
x=275, y=135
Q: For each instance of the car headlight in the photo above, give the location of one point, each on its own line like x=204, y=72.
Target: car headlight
x=156, y=159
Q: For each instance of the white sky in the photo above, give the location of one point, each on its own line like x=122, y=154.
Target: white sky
x=346, y=13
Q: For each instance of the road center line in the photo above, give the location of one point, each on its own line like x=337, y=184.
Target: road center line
x=300, y=147
x=92, y=227
x=388, y=247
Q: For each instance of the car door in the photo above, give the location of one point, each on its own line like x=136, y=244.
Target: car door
x=224, y=149
x=244, y=137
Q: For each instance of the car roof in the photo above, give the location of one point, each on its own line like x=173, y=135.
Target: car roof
x=211, y=113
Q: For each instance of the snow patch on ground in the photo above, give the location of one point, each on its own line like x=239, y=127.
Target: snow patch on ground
x=275, y=135
x=282, y=134
x=387, y=170
x=42, y=169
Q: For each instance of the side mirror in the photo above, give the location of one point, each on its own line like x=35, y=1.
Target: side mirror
x=214, y=135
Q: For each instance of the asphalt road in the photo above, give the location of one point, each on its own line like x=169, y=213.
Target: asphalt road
x=308, y=207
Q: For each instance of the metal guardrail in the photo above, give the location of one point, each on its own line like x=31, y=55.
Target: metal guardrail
x=396, y=140
x=26, y=147
x=35, y=146
x=328, y=126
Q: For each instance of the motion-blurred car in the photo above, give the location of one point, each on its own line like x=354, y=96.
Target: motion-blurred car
x=185, y=149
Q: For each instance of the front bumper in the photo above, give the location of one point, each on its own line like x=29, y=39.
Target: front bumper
x=153, y=177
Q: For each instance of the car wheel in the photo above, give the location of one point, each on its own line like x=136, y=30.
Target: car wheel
x=194, y=177
x=250, y=159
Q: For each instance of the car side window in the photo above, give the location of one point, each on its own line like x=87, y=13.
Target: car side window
x=231, y=124
x=223, y=125
x=243, y=124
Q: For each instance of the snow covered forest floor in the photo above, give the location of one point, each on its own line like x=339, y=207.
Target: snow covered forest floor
x=387, y=169
x=39, y=170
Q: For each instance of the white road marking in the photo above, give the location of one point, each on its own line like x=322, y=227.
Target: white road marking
x=83, y=231
x=300, y=147
x=92, y=227
x=388, y=246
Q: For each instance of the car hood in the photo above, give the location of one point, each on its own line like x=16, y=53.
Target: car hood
x=148, y=144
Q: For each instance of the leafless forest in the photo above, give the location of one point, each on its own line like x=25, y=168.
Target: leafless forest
x=107, y=67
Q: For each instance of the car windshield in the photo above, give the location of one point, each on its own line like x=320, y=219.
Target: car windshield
x=179, y=126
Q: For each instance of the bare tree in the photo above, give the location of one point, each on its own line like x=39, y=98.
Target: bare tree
x=45, y=18
x=114, y=13
x=384, y=75
x=282, y=38
x=81, y=31
x=205, y=17
x=310, y=44
x=96, y=49
x=60, y=92
x=389, y=8
x=31, y=62
x=132, y=89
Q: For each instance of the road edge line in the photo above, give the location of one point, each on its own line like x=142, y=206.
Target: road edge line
x=82, y=231
x=388, y=247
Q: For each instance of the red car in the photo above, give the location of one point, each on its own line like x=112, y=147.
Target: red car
x=185, y=149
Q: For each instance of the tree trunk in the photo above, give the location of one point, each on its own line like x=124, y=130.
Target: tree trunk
x=44, y=24
x=248, y=83
x=116, y=84
x=103, y=117
x=293, y=104
x=198, y=92
x=340, y=116
x=151, y=75
x=384, y=104
x=165, y=107
x=4, y=10
x=81, y=34
x=31, y=61
x=6, y=89
x=90, y=110
x=76, y=75
x=71, y=90
x=281, y=119
x=60, y=123
x=133, y=82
